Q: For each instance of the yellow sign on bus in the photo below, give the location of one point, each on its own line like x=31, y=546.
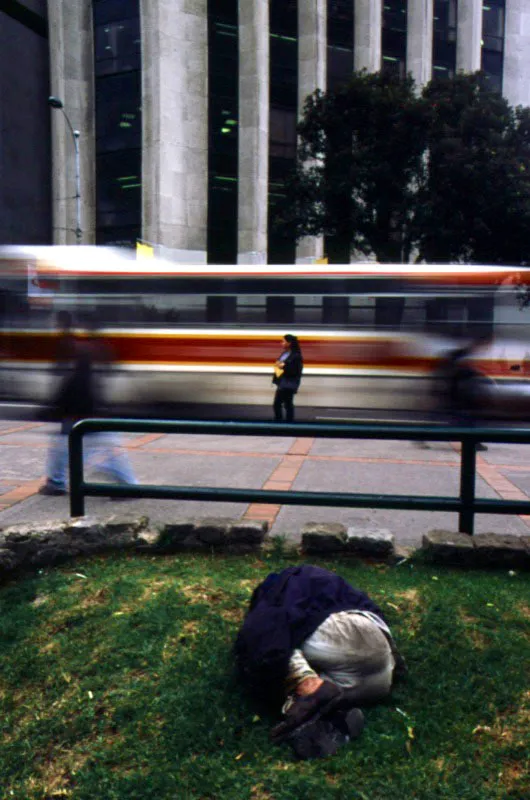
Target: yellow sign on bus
x=144, y=250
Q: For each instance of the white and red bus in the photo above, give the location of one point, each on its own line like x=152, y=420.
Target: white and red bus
x=371, y=334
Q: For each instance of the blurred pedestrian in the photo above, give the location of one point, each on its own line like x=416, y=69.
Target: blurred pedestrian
x=461, y=391
x=287, y=376
x=77, y=397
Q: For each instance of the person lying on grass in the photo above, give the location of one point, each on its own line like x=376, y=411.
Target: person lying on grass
x=321, y=647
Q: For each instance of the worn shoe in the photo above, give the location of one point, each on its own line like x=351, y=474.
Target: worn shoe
x=52, y=490
x=326, y=699
x=322, y=737
x=315, y=739
x=351, y=723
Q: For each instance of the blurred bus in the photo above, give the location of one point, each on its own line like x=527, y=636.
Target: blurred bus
x=371, y=334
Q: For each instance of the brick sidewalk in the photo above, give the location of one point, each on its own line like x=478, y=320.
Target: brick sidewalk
x=303, y=464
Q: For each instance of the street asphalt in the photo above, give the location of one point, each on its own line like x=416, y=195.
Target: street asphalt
x=290, y=463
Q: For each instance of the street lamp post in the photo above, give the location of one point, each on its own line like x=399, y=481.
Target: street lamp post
x=55, y=102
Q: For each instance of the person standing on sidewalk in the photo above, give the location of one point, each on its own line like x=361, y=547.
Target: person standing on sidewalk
x=287, y=376
x=77, y=398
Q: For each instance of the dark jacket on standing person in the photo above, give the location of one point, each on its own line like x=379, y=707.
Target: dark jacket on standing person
x=284, y=611
x=292, y=372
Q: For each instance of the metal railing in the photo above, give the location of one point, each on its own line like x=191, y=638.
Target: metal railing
x=466, y=505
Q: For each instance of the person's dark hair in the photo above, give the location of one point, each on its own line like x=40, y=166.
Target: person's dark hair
x=293, y=341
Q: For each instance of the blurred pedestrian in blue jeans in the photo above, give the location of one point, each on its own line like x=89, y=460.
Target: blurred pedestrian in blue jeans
x=77, y=398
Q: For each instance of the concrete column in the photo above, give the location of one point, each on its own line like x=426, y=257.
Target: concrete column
x=312, y=61
x=367, y=35
x=72, y=81
x=469, y=35
x=516, y=72
x=175, y=127
x=253, y=157
x=419, y=40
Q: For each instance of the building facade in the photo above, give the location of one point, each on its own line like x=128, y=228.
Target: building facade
x=187, y=109
x=25, y=165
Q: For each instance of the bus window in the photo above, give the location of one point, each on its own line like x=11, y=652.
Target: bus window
x=362, y=311
x=445, y=316
x=251, y=309
x=480, y=312
x=308, y=310
x=389, y=312
x=280, y=310
x=414, y=313
x=335, y=310
x=460, y=317
x=220, y=308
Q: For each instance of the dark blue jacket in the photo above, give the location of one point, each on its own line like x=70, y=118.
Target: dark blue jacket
x=284, y=611
x=292, y=372
x=76, y=394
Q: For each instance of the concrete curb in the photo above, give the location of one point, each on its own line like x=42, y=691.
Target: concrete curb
x=43, y=544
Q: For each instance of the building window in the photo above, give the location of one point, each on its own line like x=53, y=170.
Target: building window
x=283, y=71
x=340, y=22
x=223, y=130
x=493, y=13
x=283, y=18
x=117, y=46
x=119, y=191
x=444, y=38
x=117, y=56
x=118, y=118
x=283, y=110
x=282, y=134
x=394, y=39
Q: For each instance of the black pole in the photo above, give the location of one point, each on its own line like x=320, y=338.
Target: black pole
x=466, y=516
x=75, y=453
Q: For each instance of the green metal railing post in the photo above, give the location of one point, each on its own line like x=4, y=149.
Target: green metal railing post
x=75, y=452
x=466, y=517
x=466, y=505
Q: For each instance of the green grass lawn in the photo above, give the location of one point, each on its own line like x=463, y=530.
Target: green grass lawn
x=116, y=681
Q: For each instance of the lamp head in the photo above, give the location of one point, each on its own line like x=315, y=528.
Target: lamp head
x=54, y=102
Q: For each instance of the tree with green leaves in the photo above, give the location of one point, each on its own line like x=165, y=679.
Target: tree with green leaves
x=441, y=176
x=474, y=202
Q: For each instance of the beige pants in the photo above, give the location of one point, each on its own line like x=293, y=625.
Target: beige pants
x=350, y=650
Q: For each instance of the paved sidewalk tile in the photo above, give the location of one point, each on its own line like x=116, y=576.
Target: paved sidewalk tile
x=278, y=486
x=233, y=444
x=301, y=446
x=391, y=449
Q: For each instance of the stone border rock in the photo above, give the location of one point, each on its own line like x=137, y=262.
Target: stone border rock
x=438, y=546
x=36, y=545
x=46, y=543
x=480, y=550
